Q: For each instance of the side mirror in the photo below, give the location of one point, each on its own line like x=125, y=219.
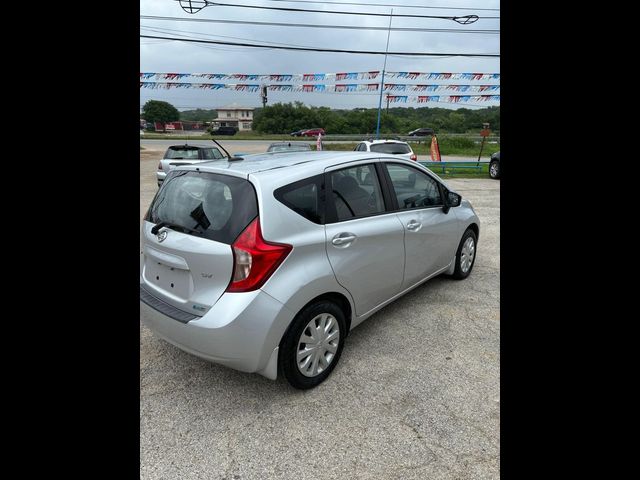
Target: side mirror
x=451, y=200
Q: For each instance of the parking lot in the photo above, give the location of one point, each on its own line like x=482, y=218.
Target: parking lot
x=416, y=394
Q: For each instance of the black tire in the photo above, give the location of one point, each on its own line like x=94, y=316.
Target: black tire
x=287, y=357
x=494, y=169
x=459, y=274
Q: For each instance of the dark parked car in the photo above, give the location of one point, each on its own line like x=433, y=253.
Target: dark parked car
x=289, y=147
x=421, y=132
x=313, y=132
x=224, y=131
x=494, y=166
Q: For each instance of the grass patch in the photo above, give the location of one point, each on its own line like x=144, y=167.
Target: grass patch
x=482, y=172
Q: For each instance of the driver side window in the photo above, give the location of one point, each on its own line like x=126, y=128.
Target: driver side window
x=413, y=188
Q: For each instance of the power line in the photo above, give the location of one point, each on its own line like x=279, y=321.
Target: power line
x=391, y=5
x=464, y=19
x=311, y=25
x=326, y=50
x=186, y=34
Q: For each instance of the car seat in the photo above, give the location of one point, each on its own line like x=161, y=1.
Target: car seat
x=356, y=197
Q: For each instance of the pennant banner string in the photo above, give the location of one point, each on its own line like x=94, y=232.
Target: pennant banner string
x=316, y=77
x=325, y=89
x=315, y=87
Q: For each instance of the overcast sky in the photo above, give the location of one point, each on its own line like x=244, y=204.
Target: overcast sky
x=173, y=56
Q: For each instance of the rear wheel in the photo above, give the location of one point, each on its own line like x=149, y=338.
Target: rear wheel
x=494, y=169
x=466, y=255
x=311, y=348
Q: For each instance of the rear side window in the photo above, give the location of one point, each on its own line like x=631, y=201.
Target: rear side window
x=211, y=153
x=355, y=192
x=217, y=207
x=304, y=197
x=392, y=148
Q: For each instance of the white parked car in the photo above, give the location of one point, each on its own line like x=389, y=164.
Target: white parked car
x=185, y=155
x=392, y=147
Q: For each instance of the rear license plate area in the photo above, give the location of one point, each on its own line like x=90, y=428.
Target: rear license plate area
x=174, y=281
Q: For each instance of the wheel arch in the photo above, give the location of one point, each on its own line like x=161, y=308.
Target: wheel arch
x=475, y=228
x=336, y=297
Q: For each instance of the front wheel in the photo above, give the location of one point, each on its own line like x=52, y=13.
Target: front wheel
x=466, y=255
x=311, y=348
x=494, y=169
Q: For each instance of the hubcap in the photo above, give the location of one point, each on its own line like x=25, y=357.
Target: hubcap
x=318, y=345
x=466, y=255
x=493, y=169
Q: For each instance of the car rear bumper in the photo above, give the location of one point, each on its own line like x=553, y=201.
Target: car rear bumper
x=160, y=176
x=241, y=331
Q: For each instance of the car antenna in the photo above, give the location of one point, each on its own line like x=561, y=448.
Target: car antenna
x=229, y=156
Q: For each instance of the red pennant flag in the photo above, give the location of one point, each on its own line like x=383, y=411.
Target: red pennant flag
x=435, y=149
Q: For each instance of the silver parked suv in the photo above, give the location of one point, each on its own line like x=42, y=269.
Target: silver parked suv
x=264, y=264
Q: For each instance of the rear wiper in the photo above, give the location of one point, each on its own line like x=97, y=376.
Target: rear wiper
x=158, y=226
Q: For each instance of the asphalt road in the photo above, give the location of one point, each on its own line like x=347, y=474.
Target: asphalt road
x=260, y=146
x=416, y=394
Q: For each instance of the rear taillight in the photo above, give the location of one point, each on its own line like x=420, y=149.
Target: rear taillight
x=255, y=259
x=160, y=166
x=414, y=157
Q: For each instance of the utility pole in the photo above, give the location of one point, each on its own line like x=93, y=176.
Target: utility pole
x=263, y=94
x=382, y=81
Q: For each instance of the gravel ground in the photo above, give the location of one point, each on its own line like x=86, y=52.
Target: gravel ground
x=416, y=393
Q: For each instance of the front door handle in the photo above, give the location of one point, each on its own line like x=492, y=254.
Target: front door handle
x=413, y=225
x=343, y=239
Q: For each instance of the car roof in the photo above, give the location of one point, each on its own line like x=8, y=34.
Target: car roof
x=281, y=168
x=265, y=162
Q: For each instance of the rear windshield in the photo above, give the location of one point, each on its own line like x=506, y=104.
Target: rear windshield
x=182, y=153
x=283, y=147
x=218, y=206
x=191, y=153
x=393, y=148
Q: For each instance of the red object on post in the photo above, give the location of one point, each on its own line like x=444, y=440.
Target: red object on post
x=485, y=133
x=435, y=149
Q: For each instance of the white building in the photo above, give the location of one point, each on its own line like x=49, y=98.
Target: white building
x=234, y=116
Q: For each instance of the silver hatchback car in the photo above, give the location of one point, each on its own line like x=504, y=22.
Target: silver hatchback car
x=264, y=264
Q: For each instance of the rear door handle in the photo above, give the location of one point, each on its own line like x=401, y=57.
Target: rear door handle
x=413, y=225
x=343, y=239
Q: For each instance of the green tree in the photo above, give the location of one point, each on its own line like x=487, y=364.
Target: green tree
x=158, y=111
x=198, y=115
x=287, y=117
